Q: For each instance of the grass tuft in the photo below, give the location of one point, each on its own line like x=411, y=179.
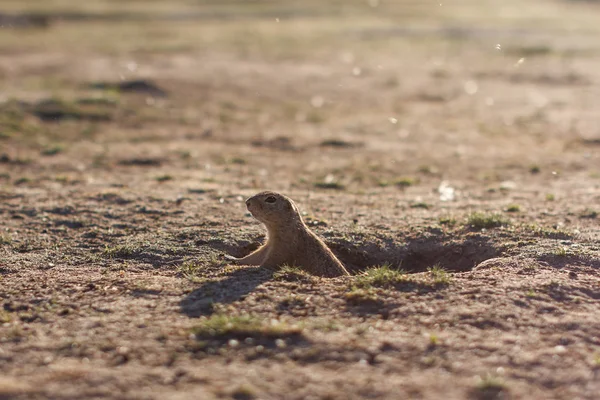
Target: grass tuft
x=23, y=180
x=121, y=251
x=5, y=239
x=244, y=392
x=405, y=182
x=379, y=276
x=433, y=340
x=448, y=221
x=560, y=251
x=4, y=317
x=479, y=221
x=243, y=326
x=513, y=208
x=490, y=386
x=440, y=275
x=329, y=185
x=163, y=178
x=362, y=296
x=190, y=270
x=53, y=150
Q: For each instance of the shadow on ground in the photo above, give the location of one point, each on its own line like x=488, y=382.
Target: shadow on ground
x=561, y=261
x=234, y=286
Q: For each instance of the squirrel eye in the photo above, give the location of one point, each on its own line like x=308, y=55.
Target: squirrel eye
x=270, y=199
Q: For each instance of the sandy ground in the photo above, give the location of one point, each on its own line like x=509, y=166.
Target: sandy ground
x=456, y=143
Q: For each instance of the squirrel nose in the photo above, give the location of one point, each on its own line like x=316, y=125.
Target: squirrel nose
x=248, y=203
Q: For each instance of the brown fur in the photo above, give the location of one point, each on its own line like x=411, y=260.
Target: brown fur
x=289, y=241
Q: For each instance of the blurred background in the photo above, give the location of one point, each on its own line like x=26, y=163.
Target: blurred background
x=365, y=94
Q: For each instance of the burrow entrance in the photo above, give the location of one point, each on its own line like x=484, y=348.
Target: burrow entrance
x=456, y=254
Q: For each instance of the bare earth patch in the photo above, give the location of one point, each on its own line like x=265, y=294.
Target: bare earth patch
x=447, y=153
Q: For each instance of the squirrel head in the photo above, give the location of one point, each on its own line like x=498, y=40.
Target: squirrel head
x=272, y=208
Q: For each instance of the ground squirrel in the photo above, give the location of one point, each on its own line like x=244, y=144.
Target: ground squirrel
x=289, y=241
